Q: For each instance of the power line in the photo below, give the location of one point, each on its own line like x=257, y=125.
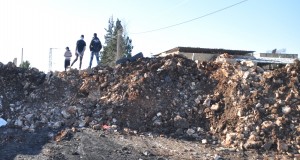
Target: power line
x=208, y=14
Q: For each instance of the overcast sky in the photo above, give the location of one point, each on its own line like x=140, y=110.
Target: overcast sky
x=38, y=25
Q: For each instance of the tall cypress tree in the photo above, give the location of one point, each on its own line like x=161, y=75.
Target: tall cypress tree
x=109, y=49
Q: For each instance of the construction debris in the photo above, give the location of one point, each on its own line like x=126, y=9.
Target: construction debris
x=238, y=105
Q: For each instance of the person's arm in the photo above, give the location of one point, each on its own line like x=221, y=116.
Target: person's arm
x=91, y=45
x=76, y=47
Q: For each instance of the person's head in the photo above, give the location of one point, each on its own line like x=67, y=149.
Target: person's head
x=67, y=48
x=82, y=36
x=95, y=34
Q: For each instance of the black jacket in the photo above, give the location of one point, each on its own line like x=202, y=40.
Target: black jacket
x=95, y=45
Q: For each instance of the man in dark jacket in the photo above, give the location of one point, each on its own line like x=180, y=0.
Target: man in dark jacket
x=79, y=51
x=95, y=48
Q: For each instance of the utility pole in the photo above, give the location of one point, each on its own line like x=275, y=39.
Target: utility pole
x=50, y=59
x=119, y=38
x=22, y=56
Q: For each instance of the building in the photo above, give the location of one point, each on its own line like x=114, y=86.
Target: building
x=276, y=55
x=274, y=60
x=203, y=54
x=265, y=60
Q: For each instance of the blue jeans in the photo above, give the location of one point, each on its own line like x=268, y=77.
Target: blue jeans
x=92, y=56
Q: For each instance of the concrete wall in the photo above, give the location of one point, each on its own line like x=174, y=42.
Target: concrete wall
x=200, y=56
x=276, y=55
x=195, y=56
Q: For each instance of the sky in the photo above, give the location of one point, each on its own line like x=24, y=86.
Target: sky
x=153, y=25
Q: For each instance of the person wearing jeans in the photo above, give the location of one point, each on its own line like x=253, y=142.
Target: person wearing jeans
x=95, y=48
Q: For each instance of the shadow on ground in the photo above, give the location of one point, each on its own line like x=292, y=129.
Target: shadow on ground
x=82, y=144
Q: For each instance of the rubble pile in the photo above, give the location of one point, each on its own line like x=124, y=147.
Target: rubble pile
x=257, y=109
x=236, y=105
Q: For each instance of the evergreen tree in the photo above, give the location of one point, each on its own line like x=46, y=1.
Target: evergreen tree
x=110, y=30
x=25, y=64
x=128, y=47
x=109, y=49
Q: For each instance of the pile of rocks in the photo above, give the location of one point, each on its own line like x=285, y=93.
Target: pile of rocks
x=259, y=109
x=239, y=106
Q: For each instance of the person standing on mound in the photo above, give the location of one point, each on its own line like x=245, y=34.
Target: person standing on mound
x=68, y=56
x=95, y=48
x=79, y=51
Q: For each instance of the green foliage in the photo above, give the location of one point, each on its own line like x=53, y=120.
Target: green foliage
x=128, y=47
x=109, y=49
x=109, y=53
x=25, y=64
x=110, y=30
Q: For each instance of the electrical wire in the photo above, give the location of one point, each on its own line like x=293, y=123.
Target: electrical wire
x=208, y=14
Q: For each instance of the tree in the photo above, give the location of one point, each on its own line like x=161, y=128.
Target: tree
x=109, y=49
x=110, y=30
x=25, y=64
x=128, y=47
x=109, y=53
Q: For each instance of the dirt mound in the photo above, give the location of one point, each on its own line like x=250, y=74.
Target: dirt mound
x=238, y=105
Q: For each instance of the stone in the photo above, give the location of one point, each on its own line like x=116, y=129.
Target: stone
x=246, y=74
x=268, y=145
x=286, y=109
x=250, y=144
x=158, y=114
x=190, y=131
x=180, y=122
x=19, y=122
x=281, y=146
x=240, y=112
x=96, y=127
x=217, y=157
x=267, y=124
x=198, y=99
x=207, y=101
x=215, y=107
x=65, y=114
x=57, y=125
x=230, y=137
x=109, y=111
x=29, y=117
x=157, y=122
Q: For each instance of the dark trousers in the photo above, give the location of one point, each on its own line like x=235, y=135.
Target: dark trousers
x=67, y=63
x=80, y=60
